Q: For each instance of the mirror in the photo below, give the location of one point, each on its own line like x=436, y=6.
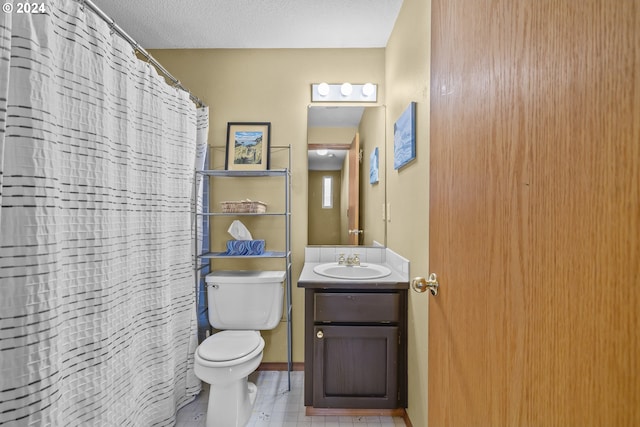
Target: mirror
x=345, y=203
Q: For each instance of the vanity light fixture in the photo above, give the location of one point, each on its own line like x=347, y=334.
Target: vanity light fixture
x=344, y=92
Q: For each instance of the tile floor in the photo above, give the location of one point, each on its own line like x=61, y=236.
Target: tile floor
x=277, y=407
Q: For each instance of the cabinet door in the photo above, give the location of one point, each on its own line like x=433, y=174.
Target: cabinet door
x=355, y=367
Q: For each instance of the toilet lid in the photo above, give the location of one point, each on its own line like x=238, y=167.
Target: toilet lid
x=228, y=345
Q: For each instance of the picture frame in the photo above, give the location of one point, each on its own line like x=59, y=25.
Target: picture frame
x=374, y=167
x=404, y=137
x=248, y=146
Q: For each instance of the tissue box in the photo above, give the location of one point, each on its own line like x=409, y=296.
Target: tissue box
x=245, y=247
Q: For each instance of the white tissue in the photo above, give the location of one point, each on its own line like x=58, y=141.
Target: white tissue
x=238, y=231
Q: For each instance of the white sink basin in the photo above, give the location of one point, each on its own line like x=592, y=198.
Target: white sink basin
x=364, y=271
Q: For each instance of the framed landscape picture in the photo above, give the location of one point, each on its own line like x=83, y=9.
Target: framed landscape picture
x=404, y=137
x=248, y=146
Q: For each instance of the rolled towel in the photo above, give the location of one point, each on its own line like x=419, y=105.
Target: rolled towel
x=245, y=247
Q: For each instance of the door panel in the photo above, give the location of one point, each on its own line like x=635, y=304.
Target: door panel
x=535, y=213
x=355, y=367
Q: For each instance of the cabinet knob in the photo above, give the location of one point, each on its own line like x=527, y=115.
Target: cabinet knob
x=320, y=334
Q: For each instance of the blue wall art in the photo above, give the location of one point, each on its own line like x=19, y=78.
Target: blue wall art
x=374, y=167
x=404, y=137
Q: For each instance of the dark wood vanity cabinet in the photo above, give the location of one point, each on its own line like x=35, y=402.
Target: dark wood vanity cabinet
x=356, y=348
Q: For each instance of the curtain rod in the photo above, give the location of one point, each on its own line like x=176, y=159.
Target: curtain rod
x=115, y=27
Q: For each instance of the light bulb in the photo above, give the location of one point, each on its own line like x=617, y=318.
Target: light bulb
x=346, y=89
x=367, y=89
x=322, y=152
x=323, y=89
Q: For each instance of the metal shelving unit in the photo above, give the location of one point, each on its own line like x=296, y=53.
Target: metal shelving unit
x=284, y=255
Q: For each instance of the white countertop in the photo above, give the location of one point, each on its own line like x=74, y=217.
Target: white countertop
x=308, y=276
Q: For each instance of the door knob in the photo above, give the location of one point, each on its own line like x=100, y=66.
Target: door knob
x=420, y=284
x=320, y=334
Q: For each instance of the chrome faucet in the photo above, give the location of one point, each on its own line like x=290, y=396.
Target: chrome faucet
x=353, y=260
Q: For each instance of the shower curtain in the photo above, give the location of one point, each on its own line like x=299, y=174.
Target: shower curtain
x=201, y=225
x=97, y=295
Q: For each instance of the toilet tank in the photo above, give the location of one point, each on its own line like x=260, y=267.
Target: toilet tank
x=250, y=300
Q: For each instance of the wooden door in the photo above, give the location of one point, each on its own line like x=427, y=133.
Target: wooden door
x=535, y=213
x=353, y=212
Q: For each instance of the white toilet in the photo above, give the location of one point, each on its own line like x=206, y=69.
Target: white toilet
x=241, y=304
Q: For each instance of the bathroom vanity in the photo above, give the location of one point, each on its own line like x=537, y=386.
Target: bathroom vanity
x=355, y=341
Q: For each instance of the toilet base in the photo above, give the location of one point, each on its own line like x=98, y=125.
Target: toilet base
x=231, y=404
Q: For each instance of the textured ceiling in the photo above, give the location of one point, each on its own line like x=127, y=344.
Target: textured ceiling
x=168, y=24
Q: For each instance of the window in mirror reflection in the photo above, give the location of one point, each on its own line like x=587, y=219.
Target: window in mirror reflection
x=327, y=192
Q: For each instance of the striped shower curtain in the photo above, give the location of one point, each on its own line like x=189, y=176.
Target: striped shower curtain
x=97, y=295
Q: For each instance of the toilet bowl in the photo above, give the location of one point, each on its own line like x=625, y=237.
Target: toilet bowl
x=225, y=360
x=241, y=303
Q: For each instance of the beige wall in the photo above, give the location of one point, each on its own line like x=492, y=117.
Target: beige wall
x=332, y=136
x=407, y=80
x=324, y=223
x=270, y=85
